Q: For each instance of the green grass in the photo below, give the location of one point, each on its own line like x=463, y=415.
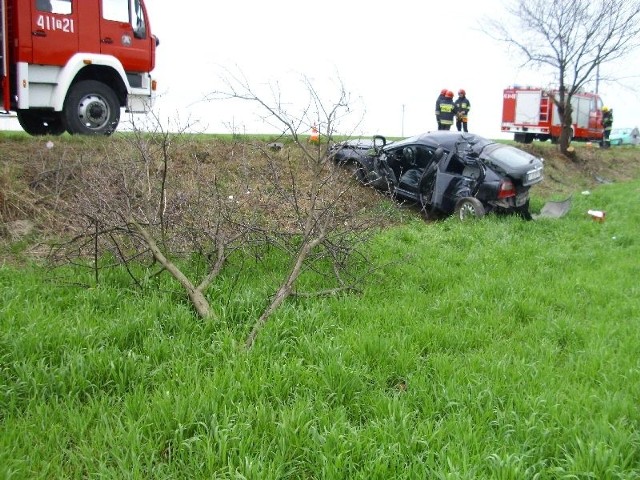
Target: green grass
x=498, y=349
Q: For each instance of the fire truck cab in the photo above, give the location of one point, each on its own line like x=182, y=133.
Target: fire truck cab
x=530, y=114
x=71, y=65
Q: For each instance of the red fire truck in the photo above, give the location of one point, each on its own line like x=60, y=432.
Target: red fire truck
x=71, y=65
x=529, y=113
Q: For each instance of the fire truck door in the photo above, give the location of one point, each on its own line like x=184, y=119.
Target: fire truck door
x=595, y=114
x=124, y=34
x=528, y=107
x=54, y=30
x=581, y=111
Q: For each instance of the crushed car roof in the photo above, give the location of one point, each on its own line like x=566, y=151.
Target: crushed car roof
x=445, y=139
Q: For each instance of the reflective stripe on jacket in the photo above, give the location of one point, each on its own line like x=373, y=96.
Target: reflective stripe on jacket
x=447, y=111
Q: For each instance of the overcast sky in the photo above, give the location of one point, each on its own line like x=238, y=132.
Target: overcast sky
x=392, y=57
x=393, y=60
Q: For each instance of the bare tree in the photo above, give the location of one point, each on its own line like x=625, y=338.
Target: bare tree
x=169, y=198
x=571, y=38
x=152, y=193
x=323, y=228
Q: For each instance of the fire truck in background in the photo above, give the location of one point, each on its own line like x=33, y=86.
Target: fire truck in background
x=71, y=65
x=530, y=114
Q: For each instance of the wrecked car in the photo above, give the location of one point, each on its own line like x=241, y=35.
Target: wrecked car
x=452, y=173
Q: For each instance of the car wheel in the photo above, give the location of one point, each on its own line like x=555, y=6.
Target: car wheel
x=91, y=108
x=469, y=207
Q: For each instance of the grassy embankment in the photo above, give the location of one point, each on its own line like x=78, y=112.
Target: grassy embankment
x=494, y=349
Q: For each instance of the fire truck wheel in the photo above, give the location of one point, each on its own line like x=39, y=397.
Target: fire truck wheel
x=41, y=123
x=91, y=108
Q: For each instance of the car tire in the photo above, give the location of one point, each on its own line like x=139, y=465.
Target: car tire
x=91, y=108
x=469, y=207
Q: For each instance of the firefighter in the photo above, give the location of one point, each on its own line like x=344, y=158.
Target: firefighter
x=463, y=105
x=607, y=124
x=446, y=111
x=442, y=96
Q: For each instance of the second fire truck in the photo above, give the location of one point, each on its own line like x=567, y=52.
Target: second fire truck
x=530, y=114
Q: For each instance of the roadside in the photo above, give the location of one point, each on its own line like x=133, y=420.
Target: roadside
x=27, y=164
x=592, y=166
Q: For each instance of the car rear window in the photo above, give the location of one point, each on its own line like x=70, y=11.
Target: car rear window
x=508, y=154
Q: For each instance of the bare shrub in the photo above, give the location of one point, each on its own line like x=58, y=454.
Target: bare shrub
x=159, y=200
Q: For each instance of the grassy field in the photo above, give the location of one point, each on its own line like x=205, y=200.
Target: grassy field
x=497, y=349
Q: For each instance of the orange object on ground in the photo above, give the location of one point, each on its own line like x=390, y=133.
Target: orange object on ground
x=315, y=136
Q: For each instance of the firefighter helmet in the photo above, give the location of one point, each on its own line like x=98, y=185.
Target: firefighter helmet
x=443, y=91
x=605, y=109
x=449, y=94
x=461, y=92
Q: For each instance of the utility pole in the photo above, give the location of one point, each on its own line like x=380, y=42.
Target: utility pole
x=402, y=134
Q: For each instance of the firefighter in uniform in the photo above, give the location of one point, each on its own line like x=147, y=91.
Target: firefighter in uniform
x=607, y=124
x=441, y=97
x=447, y=111
x=463, y=105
